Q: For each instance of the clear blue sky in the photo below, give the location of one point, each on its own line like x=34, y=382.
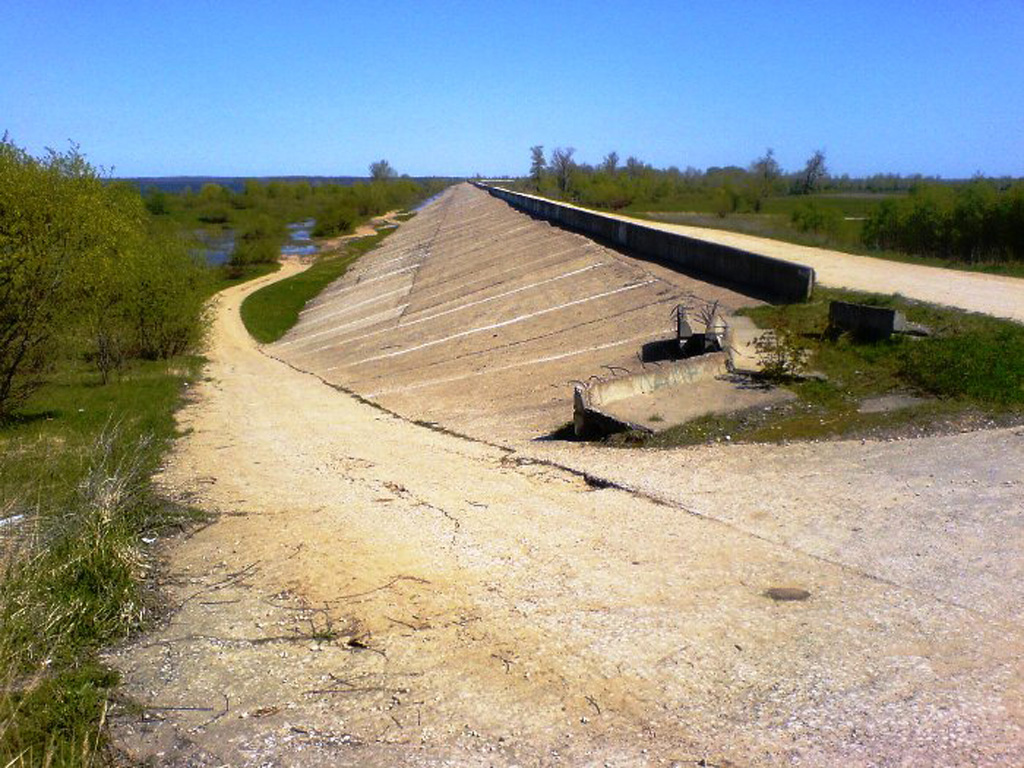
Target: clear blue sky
x=263, y=88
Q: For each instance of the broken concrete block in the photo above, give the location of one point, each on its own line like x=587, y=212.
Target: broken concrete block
x=865, y=321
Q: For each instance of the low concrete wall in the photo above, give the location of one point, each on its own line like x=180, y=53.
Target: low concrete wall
x=757, y=275
x=589, y=420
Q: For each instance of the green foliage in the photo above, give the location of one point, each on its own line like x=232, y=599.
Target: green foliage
x=971, y=223
x=811, y=217
x=259, y=242
x=84, y=268
x=986, y=369
x=970, y=357
x=55, y=722
x=781, y=354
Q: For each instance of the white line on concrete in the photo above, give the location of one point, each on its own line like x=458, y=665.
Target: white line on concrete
x=492, y=326
x=511, y=366
x=417, y=321
x=521, y=266
x=360, y=284
x=361, y=322
x=351, y=307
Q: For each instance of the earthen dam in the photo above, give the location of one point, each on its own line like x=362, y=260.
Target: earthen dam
x=480, y=317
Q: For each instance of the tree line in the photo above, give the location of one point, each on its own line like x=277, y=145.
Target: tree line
x=979, y=220
x=259, y=213
x=91, y=269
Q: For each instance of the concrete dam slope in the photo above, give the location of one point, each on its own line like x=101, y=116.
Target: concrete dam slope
x=480, y=317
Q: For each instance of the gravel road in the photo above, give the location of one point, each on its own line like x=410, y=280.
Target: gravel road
x=374, y=592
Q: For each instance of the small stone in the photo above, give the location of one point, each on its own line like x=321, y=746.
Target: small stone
x=787, y=594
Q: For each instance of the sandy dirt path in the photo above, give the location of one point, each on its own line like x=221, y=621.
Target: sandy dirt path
x=995, y=295
x=373, y=592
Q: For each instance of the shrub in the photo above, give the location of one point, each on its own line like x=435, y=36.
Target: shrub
x=810, y=217
x=780, y=354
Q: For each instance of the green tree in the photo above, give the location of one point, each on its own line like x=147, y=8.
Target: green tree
x=382, y=171
x=814, y=173
x=54, y=214
x=537, y=164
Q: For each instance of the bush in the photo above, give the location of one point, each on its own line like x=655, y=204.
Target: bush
x=56, y=218
x=80, y=259
x=972, y=223
x=259, y=242
x=810, y=217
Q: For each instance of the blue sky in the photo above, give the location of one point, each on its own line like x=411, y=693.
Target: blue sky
x=263, y=88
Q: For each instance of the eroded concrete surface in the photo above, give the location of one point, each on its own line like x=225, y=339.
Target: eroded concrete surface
x=375, y=592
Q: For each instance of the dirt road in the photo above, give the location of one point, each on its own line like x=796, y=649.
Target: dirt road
x=373, y=592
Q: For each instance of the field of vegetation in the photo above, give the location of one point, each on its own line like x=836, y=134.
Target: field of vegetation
x=976, y=224
x=102, y=314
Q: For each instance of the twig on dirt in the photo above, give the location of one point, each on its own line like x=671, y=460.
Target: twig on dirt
x=383, y=586
x=216, y=717
x=404, y=623
x=613, y=368
x=178, y=709
x=231, y=578
x=593, y=702
x=507, y=662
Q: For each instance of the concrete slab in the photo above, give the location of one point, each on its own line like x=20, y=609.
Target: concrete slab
x=668, y=407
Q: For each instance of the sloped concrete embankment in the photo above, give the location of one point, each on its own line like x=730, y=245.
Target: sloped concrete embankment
x=479, y=317
x=753, y=273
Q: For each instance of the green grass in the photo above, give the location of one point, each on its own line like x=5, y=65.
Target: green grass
x=271, y=311
x=75, y=462
x=970, y=373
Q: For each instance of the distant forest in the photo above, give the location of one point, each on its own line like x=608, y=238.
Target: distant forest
x=178, y=184
x=974, y=221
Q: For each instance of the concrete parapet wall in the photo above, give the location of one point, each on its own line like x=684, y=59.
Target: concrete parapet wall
x=758, y=275
x=590, y=420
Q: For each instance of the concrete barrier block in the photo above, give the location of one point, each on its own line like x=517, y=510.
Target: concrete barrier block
x=866, y=321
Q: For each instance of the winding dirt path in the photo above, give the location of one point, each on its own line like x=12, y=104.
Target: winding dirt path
x=373, y=592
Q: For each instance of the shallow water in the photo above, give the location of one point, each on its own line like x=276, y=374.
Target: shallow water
x=300, y=242
x=216, y=245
